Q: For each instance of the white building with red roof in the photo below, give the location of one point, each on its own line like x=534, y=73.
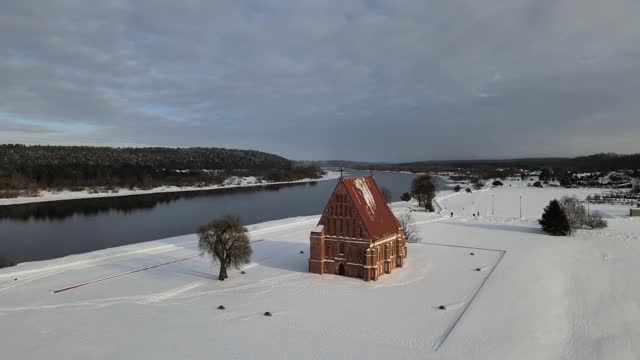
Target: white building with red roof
x=358, y=235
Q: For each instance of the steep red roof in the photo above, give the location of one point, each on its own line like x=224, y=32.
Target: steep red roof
x=369, y=202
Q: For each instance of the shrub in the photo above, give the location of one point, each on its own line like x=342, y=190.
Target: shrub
x=467, y=190
x=497, y=183
x=405, y=197
x=554, y=220
x=537, y=184
x=597, y=222
x=457, y=188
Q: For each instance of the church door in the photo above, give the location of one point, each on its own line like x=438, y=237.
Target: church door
x=341, y=269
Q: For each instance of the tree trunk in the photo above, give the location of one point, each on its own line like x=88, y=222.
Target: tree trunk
x=223, y=272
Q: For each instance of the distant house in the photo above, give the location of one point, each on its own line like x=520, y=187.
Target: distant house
x=357, y=235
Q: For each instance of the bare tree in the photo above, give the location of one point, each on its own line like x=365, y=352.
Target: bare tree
x=424, y=190
x=226, y=240
x=387, y=194
x=408, y=226
x=576, y=213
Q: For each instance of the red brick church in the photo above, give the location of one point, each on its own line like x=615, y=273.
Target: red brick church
x=357, y=235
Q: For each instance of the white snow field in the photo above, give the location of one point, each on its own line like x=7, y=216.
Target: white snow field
x=535, y=296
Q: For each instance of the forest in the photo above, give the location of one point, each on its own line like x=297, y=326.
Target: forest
x=25, y=170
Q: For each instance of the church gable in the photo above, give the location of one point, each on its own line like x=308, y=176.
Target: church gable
x=357, y=209
x=340, y=217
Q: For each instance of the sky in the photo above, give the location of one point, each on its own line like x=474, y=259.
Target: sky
x=309, y=79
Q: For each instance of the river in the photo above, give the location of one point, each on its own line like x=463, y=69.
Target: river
x=47, y=230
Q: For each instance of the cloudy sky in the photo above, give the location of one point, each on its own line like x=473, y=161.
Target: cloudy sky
x=308, y=79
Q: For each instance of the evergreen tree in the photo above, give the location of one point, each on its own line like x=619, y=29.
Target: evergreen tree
x=405, y=197
x=554, y=220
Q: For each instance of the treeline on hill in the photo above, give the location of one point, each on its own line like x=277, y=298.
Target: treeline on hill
x=26, y=169
x=486, y=169
x=591, y=163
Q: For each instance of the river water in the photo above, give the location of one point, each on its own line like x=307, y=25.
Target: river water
x=49, y=230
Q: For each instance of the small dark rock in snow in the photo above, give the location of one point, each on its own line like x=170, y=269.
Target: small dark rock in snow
x=301, y=252
x=16, y=279
x=242, y=272
x=442, y=307
x=267, y=314
x=221, y=307
x=472, y=254
x=478, y=269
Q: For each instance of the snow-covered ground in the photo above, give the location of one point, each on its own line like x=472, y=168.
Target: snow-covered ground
x=232, y=182
x=535, y=296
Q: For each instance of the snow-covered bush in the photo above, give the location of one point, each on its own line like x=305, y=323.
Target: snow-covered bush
x=597, y=222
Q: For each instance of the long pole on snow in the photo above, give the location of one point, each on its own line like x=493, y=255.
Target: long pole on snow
x=122, y=274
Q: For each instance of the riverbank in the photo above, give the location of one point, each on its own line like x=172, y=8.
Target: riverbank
x=237, y=182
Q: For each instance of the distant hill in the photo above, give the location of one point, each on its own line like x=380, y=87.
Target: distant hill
x=591, y=163
x=73, y=167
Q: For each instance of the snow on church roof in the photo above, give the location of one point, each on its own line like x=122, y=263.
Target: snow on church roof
x=376, y=216
x=361, y=184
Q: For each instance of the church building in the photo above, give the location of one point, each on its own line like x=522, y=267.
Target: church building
x=357, y=235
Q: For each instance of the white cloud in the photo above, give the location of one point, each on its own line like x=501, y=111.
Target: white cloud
x=370, y=80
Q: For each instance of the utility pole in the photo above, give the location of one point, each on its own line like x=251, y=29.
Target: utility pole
x=341, y=169
x=493, y=204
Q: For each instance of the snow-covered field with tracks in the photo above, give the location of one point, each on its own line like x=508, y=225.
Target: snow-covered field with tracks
x=534, y=296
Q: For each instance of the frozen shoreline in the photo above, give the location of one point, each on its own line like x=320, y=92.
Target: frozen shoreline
x=48, y=196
